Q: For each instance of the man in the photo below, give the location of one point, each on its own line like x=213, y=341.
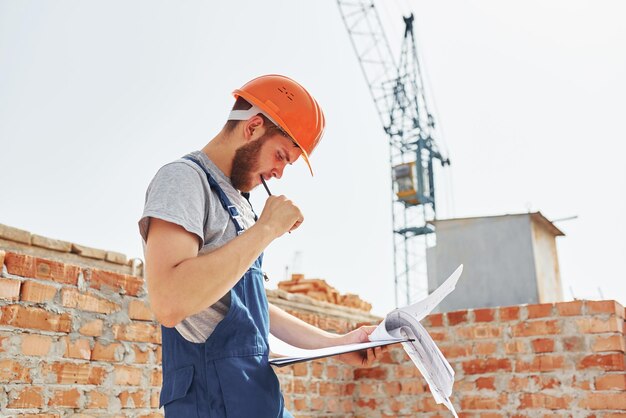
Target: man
x=203, y=253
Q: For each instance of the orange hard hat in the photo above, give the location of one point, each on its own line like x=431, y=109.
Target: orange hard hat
x=287, y=104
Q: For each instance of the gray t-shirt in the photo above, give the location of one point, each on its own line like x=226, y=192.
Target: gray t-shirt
x=180, y=193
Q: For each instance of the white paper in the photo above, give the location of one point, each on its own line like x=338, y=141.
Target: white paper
x=399, y=325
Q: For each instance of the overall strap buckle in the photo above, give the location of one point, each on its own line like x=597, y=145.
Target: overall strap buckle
x=236, y=218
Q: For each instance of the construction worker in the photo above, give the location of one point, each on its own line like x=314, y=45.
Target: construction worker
x=203, y=252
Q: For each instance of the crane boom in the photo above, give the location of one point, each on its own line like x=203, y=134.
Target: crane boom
x=398, y=92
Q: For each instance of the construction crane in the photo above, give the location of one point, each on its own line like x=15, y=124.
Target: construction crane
x=397, y=89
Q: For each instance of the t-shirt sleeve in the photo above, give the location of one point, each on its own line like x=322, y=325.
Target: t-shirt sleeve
x=176, y=194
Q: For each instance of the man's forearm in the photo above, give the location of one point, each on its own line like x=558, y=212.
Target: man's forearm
x=296, y=332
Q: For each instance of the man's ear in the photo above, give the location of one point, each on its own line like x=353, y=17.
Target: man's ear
x=253, y=128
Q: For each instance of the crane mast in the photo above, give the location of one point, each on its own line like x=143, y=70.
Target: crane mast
x=397, y=90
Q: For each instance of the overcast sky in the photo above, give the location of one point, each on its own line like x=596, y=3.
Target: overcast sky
x=531, y=98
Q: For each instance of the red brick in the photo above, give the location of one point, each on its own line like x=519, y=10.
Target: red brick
x=135, y=399
x=12, y=371
x=411, y=387
x=37, y=292
x=65, y=398
x=488, y=383
x=480, y=331
x=509, y=313
x=332, y=371
x=481, y=366
x=79, y=348
x=406, y=370
x=348, y=389
x=366, y=403
x=127, y=375
x=596, y=325
x=330, y=389
x=428, y=405
x=604, y=401
x=433, y=320
x=610, y=343
x=122, y=283
x=605, y=306
x=543, y=363
x=30, y=397
x=317, y=368
x=518, y=384
x=573, y=344
x=540, y=400
x=300, y=369
x=111, y=352
x=72, y=373
x=485, y=349
x=437, y=336
x=543, y=345
x=377, y=373
x=392, y=388
x=317, y=403
x=611, y=382
x=484, y=315
x=457, y=350
x=456, y=317
x=156, y=378
x=9, y=289
x=572, y=308
x=301, y=386
x=539, y=310
x=142, y=355
x=614, y=361
x=36, y=345
x=154, y=399
x=516, y=347
x=72, y=298
x=56, y=271
x=92, y=328
x=138, y=332
x=139, y=310
x=530, y=328
x=98, y=400
x=34, y=318
x=20, y=264
x=477, y=402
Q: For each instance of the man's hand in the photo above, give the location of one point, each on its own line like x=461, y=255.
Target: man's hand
x=280, y=215
x=363, y=358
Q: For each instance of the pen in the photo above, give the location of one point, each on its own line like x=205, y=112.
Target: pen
x=265, y=185
x=267, y=189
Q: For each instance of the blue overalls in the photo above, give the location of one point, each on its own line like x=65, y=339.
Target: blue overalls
x=228, y=375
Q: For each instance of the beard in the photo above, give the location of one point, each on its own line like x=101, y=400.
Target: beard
x=246, y=163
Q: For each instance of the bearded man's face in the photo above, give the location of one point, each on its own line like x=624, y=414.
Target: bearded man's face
x=246, y=164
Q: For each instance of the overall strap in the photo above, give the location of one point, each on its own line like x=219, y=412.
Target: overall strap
x=226, y=203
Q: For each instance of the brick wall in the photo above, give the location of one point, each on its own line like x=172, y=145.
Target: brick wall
x=545, y=360
x=77, y=339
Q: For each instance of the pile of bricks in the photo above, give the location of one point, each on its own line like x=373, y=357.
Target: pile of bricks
x=320, y=290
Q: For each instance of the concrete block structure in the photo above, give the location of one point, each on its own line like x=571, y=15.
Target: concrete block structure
x=508, y=260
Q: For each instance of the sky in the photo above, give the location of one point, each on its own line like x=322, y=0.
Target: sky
x=529, y=97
